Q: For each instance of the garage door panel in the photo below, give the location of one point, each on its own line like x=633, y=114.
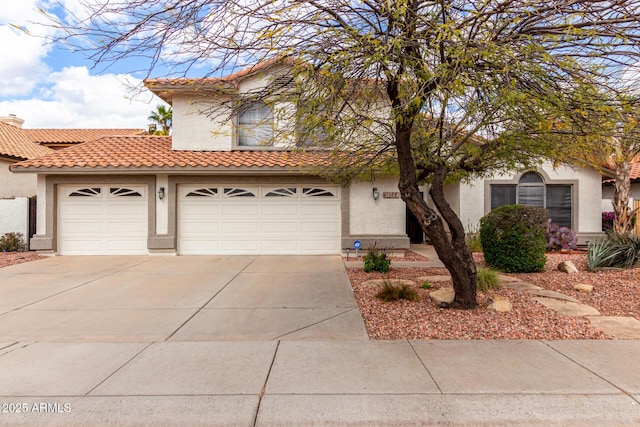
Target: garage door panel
x=123, y=206
x=280, y=228
x=324, y=210
x=281, y=209
x=81, y=210
x=240, y=209
x=201, y=227
x=319, y=227
x=125, y=228
x=239, y=228
x=282, y=223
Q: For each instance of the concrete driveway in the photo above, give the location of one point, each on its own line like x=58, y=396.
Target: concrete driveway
x=186, y=298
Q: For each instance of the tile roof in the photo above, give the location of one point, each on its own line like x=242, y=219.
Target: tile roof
x=164, y=87
x=14, y=143
x=152, y=152
x=75, y=136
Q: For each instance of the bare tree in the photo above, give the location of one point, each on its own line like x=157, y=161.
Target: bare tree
x=438, y=91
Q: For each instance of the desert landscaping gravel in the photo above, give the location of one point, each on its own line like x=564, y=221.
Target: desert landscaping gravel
x=12, y=258
x=615, y=293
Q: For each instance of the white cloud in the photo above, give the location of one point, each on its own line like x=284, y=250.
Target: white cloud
x=76, y=99
x=22, y=63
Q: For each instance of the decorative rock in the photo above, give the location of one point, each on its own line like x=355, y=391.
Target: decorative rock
x=521, y=286
x=567, y=307
x=380, y=282
x=443, y=295
x=552, y=294
x=504, y=279
x=500, y=303
x=567, y=267
x=433, y=279
x=583, y=287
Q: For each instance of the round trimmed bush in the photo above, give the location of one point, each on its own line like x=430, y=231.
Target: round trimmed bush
x=513, y=238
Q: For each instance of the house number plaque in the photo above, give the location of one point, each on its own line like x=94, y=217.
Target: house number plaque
x=390, y=195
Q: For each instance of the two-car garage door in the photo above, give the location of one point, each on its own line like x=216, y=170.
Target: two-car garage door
x=211, y=219
x=258, y=219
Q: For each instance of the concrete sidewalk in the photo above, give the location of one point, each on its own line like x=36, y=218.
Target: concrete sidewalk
x=266, y=383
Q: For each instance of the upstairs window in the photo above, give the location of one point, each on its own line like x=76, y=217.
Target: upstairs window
x=255, y=124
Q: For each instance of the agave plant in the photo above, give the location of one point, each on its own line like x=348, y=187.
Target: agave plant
x=614, y=251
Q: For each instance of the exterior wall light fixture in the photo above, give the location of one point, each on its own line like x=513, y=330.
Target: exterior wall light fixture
x=161, y=193
x=376, y=194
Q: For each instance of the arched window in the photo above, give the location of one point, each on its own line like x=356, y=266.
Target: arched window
x=532, y=190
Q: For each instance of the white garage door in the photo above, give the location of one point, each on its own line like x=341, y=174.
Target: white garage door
x=102, y=220
x=231, y=219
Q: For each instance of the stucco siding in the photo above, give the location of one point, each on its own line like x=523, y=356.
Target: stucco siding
x=376, y=217
x=194, y=129
x=15, y=185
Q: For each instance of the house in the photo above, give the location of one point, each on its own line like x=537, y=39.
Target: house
x=16, y=146
x=215, y=188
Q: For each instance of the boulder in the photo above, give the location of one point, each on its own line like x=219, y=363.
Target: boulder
x=499, y=303
x=583, y=287
x=443, y=295
x=567, y=267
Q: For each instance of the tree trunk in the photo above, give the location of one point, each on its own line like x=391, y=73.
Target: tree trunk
x=623, y=221
x=452, y=251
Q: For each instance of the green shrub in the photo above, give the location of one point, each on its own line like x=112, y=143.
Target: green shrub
x=13, y=242
x=513, y=238
x=426, y=285
x=376, y=261
x=472, y=239
x=614, y=251
x=487, y=279
x=391, y=292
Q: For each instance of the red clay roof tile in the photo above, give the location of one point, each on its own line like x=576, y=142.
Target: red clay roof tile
x=75, y=136
x=14, y=143
x=138, y=152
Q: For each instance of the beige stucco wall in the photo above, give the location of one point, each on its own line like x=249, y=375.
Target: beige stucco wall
x=382, y=216
x=474, y=198
x=193, y=129
x=15, y=185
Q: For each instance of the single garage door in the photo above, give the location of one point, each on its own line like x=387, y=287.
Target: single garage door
x=232, y=219
x=102, y=220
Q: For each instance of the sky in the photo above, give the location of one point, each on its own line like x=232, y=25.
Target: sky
x=51, y=87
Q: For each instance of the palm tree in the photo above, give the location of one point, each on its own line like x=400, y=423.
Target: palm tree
x=162, y=116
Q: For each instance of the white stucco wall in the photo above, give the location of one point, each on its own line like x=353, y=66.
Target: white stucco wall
x=376, y=217
x=15, y=185
x=14, y=216
x=193, y=129
x=475, y=202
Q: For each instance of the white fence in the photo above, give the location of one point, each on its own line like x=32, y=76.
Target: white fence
x=14, y=216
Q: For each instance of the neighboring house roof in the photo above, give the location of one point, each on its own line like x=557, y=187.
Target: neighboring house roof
x=634, y=172
x=14, y=143
x=66, y=137
x=153, y=152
